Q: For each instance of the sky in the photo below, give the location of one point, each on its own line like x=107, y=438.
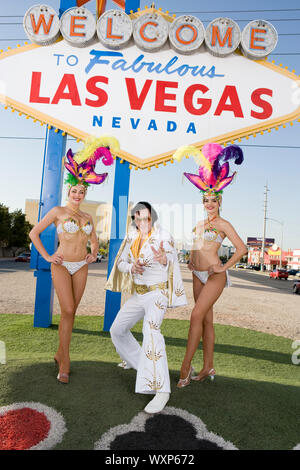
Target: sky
x=271, y=159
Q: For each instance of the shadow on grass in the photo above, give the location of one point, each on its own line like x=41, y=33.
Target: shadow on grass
x=237, y=350
x=250, y=414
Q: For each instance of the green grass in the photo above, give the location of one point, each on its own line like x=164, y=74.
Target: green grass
x=254, y=401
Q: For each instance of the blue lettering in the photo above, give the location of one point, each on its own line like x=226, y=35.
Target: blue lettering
x=182, y=70
x=116, y=122
x=119, y=64
x=97, y=61
x=191, y=128
x=171, y=126
x=69, y=61
x=134, y=124
x=97, y=120
x=58, y=57
x=137, y=60
x=101, y=58
x=169, y=64
x=152, y=125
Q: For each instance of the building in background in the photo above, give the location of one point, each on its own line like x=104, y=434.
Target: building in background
x=273, y=256
x=293, y=259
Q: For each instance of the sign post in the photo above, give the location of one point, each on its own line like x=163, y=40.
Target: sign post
x=119, y=218
x=51, y=191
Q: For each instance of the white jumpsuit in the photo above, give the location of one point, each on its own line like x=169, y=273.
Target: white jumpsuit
x=150, y=359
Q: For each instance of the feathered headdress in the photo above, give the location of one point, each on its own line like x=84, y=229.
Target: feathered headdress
x=81, y=166
x=214, y=167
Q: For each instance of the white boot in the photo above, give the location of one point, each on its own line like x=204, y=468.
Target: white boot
x=157, y=404
x=124, y=365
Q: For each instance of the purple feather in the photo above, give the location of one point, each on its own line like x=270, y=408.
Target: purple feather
x=228, y=153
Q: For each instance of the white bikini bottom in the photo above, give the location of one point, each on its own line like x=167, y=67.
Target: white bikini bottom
x=73, y=266
x=203, y=276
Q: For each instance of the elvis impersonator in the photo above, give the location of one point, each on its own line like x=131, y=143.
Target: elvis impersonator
x=147, y=267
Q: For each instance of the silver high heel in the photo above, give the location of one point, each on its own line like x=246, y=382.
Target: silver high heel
x=209, y=376
x=184, y=382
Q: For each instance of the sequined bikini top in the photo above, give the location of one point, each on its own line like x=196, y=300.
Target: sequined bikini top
x=71, y=226
x=212, y=235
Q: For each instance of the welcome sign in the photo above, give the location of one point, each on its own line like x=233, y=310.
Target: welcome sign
x=152, y=101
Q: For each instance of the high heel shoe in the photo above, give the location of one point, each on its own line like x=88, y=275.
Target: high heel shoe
x=63, y=378
x=184, y=382
x=210, y=375
x=56, y=362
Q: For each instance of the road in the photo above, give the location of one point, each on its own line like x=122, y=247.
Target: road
x=264, y=280
x=254, y=301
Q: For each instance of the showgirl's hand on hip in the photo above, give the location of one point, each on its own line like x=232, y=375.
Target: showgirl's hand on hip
x=215, y=269
x=56, y=259
x=90, y=258
x=191, y=266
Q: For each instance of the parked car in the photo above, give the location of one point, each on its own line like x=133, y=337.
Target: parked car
x=240, y=265
x=23, y=257
x=297, y=274
x=296, y=287
x=293, y=272
x=99, y=258
x=279, y=274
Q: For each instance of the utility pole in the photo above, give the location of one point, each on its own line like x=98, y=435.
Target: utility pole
x=264, y=229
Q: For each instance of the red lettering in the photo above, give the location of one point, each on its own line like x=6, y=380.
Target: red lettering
x=204, y=102
x=41, y=20
x=161, y=96
x=234, y=104
x=35, y=89
x=109, y=34
x=254, y=38
x=136, y=102
x=94, y=90
x=267, y=109
x=216, y=36
x=68, y=81
x=73, y=25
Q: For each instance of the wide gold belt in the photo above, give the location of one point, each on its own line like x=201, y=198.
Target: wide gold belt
x=143, y=289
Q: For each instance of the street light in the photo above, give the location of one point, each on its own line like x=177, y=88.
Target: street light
x=281, y=246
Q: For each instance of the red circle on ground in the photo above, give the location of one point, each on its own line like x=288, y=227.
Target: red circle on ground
x=22, y=429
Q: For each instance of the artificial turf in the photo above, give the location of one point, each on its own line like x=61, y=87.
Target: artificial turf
x=253, y=402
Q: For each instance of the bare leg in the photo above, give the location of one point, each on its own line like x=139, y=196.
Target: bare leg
x=69, y=290
x=206, y=299
x=79, y=282
x=208, y=334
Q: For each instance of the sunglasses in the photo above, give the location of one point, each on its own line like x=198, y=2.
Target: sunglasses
x=142, y=219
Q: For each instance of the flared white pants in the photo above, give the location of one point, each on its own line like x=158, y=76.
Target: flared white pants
x=150, y=360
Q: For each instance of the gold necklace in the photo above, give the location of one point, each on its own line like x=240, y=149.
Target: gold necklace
x=72, y=210
x=210, y=221
x=212, y=232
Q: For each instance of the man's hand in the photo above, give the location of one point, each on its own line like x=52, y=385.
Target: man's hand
x=160, y=254
x=137, y=268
